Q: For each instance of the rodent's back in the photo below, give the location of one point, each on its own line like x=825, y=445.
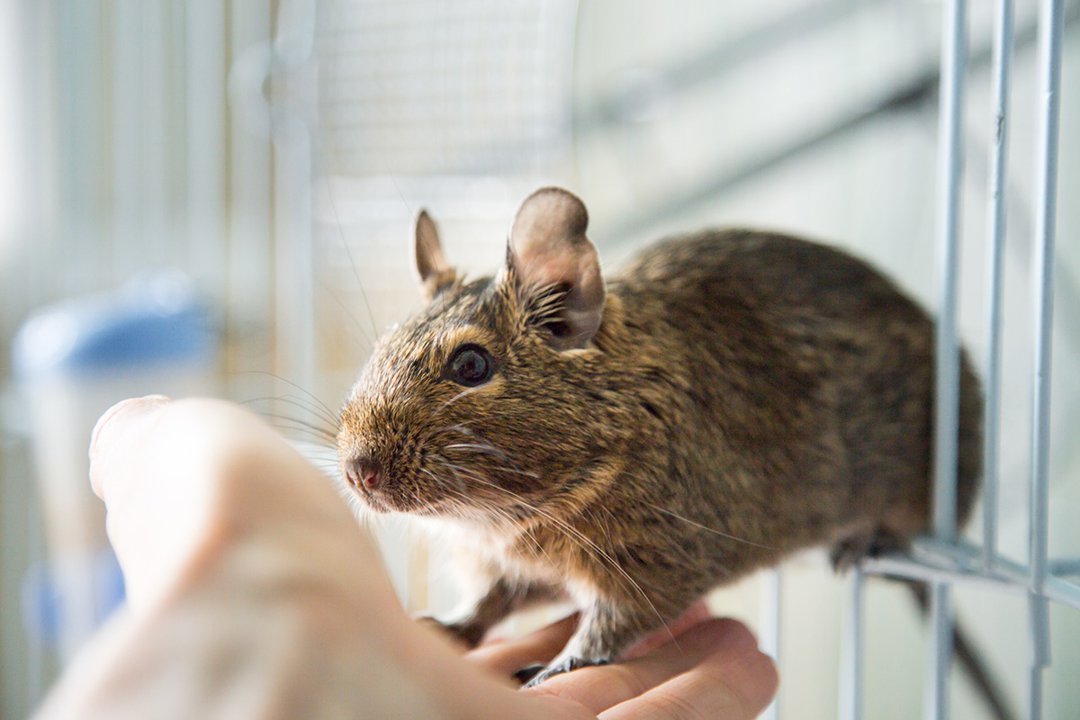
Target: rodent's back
x=807, y=369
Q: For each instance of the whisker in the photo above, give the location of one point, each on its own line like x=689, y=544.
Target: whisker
x=330, y=414
x=487, y=447
x=706, y=528
x=441, y=482
x=352, y=261
x=287, y=423
x=580, y=538
x=329, y=424
x=291, y=423
x=496, y=452
x=370, y=343
x=451, y=401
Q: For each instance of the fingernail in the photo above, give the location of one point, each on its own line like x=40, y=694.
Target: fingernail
x=143, y=404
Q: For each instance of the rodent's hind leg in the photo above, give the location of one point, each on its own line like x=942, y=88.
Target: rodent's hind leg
x=849, y=551
x=501, y=599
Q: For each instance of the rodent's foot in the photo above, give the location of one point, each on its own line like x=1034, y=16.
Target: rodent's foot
x=848, y=552
x=466, y=633
x=537, y=674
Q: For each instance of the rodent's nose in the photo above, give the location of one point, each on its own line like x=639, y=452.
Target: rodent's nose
x=364, y=473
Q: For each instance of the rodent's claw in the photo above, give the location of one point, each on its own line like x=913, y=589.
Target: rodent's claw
x=526, y=674
x=848, y=552
x=537, y=674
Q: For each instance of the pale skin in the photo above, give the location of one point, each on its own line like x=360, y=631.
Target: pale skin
x=253, y=592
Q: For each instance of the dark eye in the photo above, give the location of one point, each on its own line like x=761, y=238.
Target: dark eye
x=470, y=365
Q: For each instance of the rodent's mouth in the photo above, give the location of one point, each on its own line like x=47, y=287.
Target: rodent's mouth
x=374, y=503
x=387, y=501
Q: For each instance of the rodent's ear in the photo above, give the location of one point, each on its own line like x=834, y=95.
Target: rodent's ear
x=556, y=267
x=431, y=266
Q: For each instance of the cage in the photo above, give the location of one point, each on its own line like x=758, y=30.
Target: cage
x=278, y=151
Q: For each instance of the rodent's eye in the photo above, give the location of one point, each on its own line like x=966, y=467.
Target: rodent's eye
x=470, y=365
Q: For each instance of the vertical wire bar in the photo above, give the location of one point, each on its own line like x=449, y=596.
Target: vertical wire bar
x=248, y=178
x=206, y=147
x=948, y=237
x=154, y=236
x=1050, y=31
x=1039, y=610
x=294, y=292
x=127, y=117
x=1051, y=23
x=770, y=629
x=946, y=420
x=941, y=629
x=851, y=674
x=1002, y=62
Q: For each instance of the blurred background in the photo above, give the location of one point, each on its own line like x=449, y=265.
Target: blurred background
x=216, y=198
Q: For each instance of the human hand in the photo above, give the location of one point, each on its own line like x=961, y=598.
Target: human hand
x=698, y=667
x=253, y=591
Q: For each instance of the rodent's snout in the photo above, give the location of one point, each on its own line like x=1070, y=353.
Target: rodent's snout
x=364, y=473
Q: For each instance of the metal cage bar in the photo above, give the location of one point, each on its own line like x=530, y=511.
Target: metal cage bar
x=947, y=388
x=1051, y=24
x=1042, y=280
x=931, y=561
x=851, y=652
x=1002, y=66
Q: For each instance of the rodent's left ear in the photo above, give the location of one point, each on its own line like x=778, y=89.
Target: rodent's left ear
x=431, y=266
x=550, y=258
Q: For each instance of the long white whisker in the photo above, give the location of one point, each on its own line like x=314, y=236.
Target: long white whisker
x=706, y=528
x=451, y=401
x=492, y=450
x=582, y=540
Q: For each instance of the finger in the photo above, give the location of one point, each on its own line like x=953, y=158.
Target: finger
x=507, y=656
x=731, y=684
x=696, y=613
x=110, y=427
x=599, y=688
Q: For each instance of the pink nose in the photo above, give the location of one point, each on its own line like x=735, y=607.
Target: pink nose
x=364, y=473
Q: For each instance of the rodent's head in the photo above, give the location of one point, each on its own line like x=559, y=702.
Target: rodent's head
x=472, y=408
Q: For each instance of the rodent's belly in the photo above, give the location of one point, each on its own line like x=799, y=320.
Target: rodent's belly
x=571, y=566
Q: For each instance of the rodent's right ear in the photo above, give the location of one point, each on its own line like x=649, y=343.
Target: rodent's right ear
x=556, y=267
x=434, y=272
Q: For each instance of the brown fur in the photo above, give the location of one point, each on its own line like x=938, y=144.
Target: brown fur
x=747, y=394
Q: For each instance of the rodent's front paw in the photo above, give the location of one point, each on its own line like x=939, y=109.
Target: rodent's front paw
x=469, y=634
x=536, y=674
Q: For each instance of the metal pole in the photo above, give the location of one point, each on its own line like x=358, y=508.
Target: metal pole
x=953, y=52
x=948, y=236
x=1051, y=22
x=1043, y=277
x=851, y=674
x=1039, y=609
x=1002, y=61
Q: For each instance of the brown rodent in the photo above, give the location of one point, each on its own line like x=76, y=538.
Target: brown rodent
x=729, y=398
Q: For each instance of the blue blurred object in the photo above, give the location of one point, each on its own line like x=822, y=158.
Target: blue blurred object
x=73, y=360
x=157, y=317
x=43, y=595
